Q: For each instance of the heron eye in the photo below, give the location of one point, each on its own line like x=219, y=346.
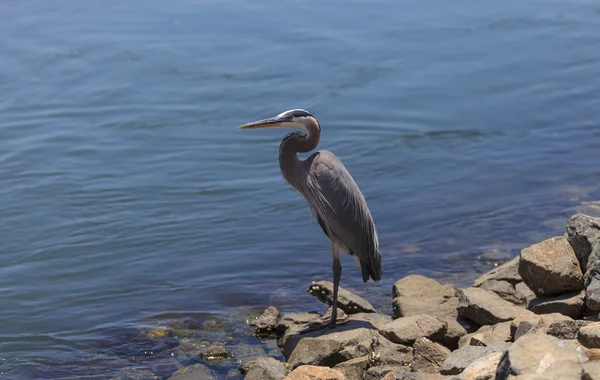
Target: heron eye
x=289, y=117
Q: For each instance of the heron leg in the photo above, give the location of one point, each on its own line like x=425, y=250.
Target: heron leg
x=337, y=274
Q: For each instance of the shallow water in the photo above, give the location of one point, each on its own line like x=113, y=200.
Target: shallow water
x=126, y=192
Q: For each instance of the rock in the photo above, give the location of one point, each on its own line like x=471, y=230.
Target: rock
x=457, y=328
x=545, y=356
x=428, y=356
x=300, y=320
x=508, y=272
x=505, y=290
x=401, y=374
x=419, y=295
x=341, y=316
x=332, y=348
x=523, y=324
x=215, y=353
x=486, y=308
x=263, y=369
x=483, y=368
x=193, y=372
x=583, y=232
x=354, y=369
x=487, y=335
x=589, y=336
x=134, y=374
x=555, y=324
x=551, y=268
x=570, y=304
x=406, y=330
x=347, y=301
x=465, y=356
x=591, y=370
x=245, y=351
x=371, y=320
x=266, y=323
x=311, y=372
x=523, y=291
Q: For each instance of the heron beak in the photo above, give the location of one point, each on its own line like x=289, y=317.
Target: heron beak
x=273, y=122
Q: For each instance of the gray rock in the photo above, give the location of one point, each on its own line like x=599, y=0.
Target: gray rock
x=419, y=295
x=546, y=357
x=406, y=330
x=134, y=374
x=373, y=320
x=354, y=369
x=555, y=324
x=301, y=320
x=263, y=369
x=347, y=301
x=428, y=356
x=266, y=323
x=509, y=271
x=523, y=292
x=589, y=336
x=486, y=308
x=484, y=368
x=403, y=374
x=523, y=324
x=341, y=315
x=570, y=304
x=460, y=359
x=310, y=372
x=505, y=290
x=487, y=335
x=215, y=352
x=583, y=232
x=551, y=268
x=193, y=372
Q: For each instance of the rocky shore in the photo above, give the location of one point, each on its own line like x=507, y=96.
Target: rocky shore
x=533, y=317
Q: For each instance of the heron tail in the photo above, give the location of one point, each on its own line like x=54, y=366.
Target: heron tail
x=372, y=267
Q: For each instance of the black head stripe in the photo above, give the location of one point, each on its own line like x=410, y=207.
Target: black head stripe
x=300, y=113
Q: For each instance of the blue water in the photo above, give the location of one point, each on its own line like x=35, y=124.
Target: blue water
x=127, y=193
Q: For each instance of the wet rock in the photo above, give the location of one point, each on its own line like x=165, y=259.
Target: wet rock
x=545, y=356
x=371, y=320
x=160, y=333
x=354, y=369
x=583, y=232
x=589, y=336
x=244, y=351
x=134, y=374
x=311, y=372
x=487, y=335
x=266, y=323
x=486, y=308
x=483, y=368
x=347, y=301
x=419, y=295
x=263, y=369
x=466, y=355
x=551, y=268
x=193, y=372
x=215, y=353
x=570, y=304
x=428, y=356
x=332, y=348
x=406, y=330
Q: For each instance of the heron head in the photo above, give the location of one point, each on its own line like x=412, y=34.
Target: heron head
x=296, y=118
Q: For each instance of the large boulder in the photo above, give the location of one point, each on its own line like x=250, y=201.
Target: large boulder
x=486, y=308
x=419, y=295
x=569, y=304
x=406, y=330
x=583, y=232
x=589, y=335
x=546, y=357
x=428, y=356
x=266, y=323
x=265, y=368
x=311, y=372
x=347, y=301
x=550, y=268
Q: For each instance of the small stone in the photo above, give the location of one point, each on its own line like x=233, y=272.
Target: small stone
x=266, y=323
x=265, y=368
x=523, y=324
x=506, y=272
x=341, y=316
x=523, y=292
x=570, y=304
x=460, y=359
x=583, y=232
x=428, y=356
x=505, y=290
x=311, y=372
x=160, y=333
x=214, y=353
x=193, y=372
x=486, y=308
x=551, y=268
x=371, y=320
x=353, y=368
x=483, y=368
x=347, y=301
x=487, y=335
x=589, y=336
x=406, y=330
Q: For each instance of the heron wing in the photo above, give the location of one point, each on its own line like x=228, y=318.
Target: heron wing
x=343, y=212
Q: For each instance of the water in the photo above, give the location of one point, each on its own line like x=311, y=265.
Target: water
x=127, y=194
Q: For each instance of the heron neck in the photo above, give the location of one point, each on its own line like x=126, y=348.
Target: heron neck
x=291, y=166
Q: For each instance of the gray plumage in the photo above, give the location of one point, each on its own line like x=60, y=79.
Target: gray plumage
x=332, y=194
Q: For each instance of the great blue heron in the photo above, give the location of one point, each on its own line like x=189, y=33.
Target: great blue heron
x=331, y=193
